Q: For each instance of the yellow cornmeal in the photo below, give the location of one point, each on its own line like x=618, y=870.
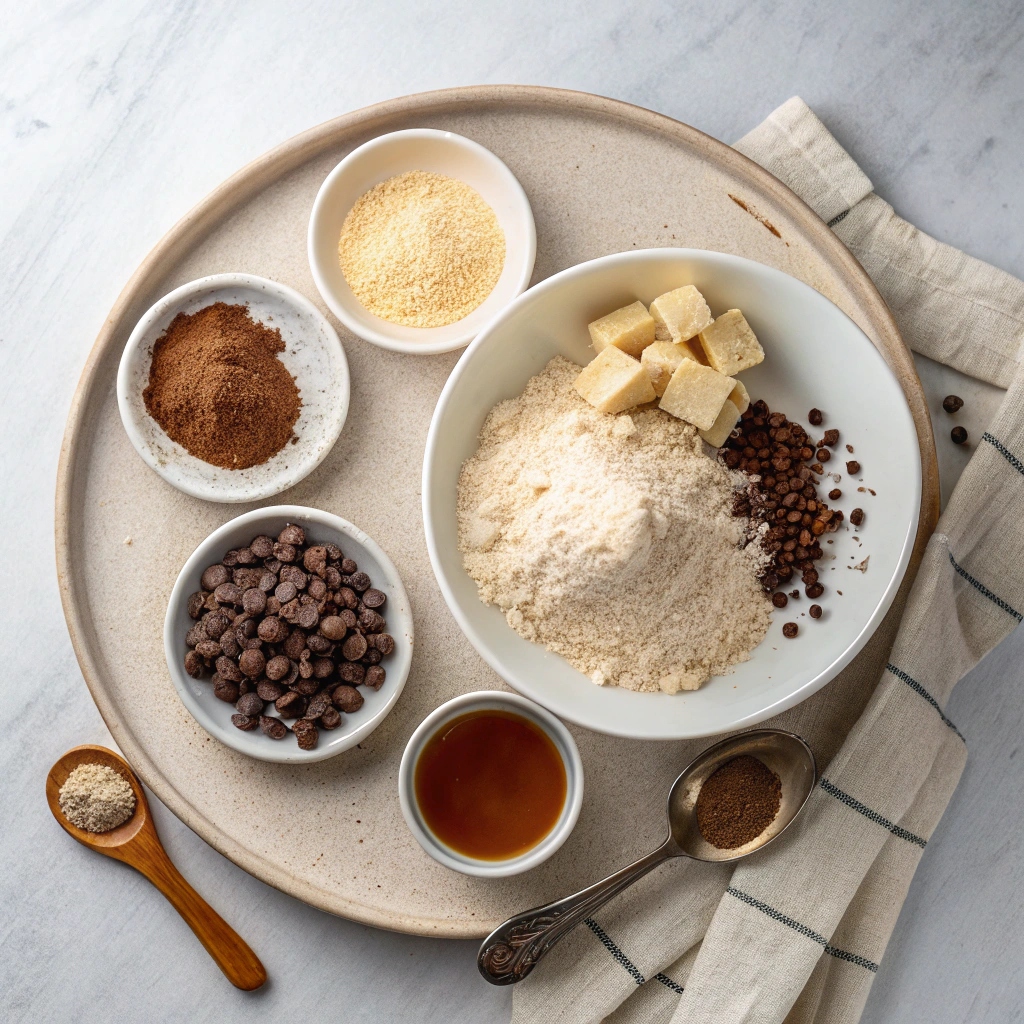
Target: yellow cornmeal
x=421, y=249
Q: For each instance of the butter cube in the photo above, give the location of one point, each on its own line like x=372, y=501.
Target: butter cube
x=740, y=397
x=730, y=344
x=722, y=427
x=614, y=382
x=661, y=360
x=630, y=328
x=696, y=394
x=680, y=314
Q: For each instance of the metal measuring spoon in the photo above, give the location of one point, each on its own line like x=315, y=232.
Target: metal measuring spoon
x=514, y=948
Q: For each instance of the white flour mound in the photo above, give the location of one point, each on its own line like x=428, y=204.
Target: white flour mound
x=610, y=539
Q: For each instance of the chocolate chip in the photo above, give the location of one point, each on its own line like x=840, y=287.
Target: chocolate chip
x=262, y=546
x=250, y=704
x=214, y=576
x=952, y=403
x=228, y=593
x=252, y=663
x=319, y=644
x=286, y=553
x=273, y=727
x=347, y=699
x=354, y=647
x=351, y=672
x=384, y=642
x=306, y=734
x=227, y=691
x=269, y=691
x=292, y=534
x=318, y=705
x=333, y=628
x=290, y=705
x=958, y=435
x=359, y=581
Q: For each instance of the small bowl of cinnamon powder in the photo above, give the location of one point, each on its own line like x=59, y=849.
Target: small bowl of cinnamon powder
x=233, y=388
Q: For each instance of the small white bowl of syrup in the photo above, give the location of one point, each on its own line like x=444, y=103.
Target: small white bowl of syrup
x=491, y=784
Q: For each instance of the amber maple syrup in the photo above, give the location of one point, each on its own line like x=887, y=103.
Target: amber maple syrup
x=490, y=784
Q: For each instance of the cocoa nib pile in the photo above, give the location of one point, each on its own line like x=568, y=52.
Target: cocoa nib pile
x=786, y=465
x=288, y=626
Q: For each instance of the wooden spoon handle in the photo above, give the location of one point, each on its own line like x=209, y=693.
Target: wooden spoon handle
x=239, y=963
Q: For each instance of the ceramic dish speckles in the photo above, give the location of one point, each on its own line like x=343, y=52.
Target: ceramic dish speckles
x=313, y=356
x=322, y=528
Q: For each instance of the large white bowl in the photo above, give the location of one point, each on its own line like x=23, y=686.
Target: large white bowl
x=419, y=149
x=815, y=356
x=322, y=528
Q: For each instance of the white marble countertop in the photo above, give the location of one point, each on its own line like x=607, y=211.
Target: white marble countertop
x=117, y=116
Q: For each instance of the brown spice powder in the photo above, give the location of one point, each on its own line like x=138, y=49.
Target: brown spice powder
x=738, y=802
x=218, y=388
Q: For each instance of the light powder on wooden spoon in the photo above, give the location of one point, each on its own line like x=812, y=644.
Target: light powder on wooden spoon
x=610, y=539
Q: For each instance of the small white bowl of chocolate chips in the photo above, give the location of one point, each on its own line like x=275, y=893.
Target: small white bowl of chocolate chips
x=289, y=634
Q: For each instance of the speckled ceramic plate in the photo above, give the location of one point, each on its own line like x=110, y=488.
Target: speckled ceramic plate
x=602, y=177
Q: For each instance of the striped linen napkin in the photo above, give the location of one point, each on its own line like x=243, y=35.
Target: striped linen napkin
x=796, y=932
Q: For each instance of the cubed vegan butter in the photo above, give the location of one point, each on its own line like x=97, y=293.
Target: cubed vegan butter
x=696, y=394
x=722, y=427
x=614, y=382
x=730, y=344
x=630, y=329
x=740, y=397
x=680, y=314
x=660, y=360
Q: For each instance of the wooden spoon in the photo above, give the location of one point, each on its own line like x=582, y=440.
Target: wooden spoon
x=137, y=844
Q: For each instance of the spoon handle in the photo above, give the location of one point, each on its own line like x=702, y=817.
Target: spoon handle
x=239, y=963
x=514, y=948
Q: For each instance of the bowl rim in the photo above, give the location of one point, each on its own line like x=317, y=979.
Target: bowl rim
x=178, y=297
x=184, y=585
x=557, y=733
x=381, y=337
x=800, y=693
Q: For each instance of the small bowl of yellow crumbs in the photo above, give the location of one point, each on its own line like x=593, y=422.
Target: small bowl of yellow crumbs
x=419, y=238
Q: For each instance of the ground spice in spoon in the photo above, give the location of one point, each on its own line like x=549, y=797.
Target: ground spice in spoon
x=218, y=388
x=738, y=802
